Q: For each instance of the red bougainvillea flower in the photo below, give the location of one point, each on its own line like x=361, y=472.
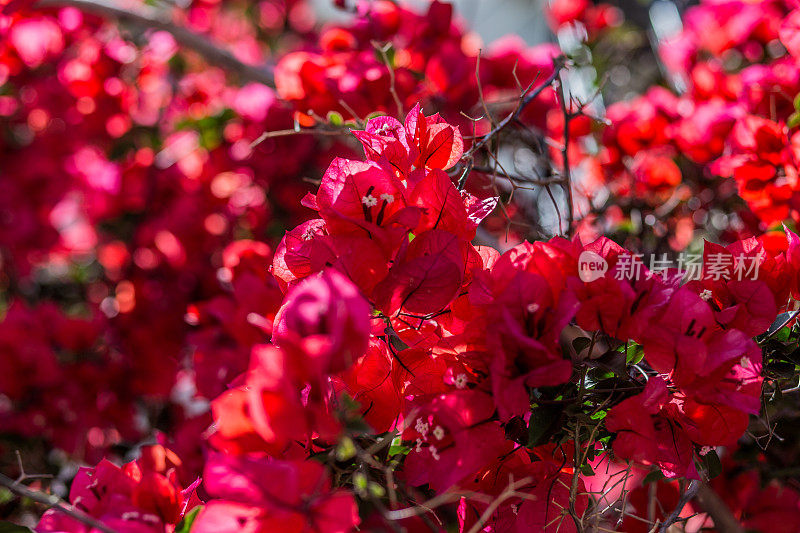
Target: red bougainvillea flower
x=358, y=195
x=327, y=318
x=385, y=141
x=764, y=165
x=143, y=496
x=426, y=276
x=648, y=435
x=701, y=133
x=452, y=436
x=543, y=508
x=638, y=299
x=525, y=291
x=731, y=285
x=790, y=32
x=281, y=399
x=253, y=494
x=687, y=341
x=438, y=143
x=370, y=382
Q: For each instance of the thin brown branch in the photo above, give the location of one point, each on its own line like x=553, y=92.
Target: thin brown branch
x=525, y=99
x=150, y=17
x=565, y=157
x=509, y=492
x=577, y=460
x=291, y=132
x=480, y=88
x=724, y=521
x=691, y=492
x=382, y=49
x=516, y=179
x=53, y=502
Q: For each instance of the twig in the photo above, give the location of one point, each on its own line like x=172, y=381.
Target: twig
x=565, y=158
x=525, y=99
x=480, y=87
x=724, y=521
x=24, y=476
x=150, y=17
x=509, y=492
x=516, y=179
x=53, y=502
x=416, y=510
x=577, y=459
x=691, y=492
x=382, y=49
x=290, y=132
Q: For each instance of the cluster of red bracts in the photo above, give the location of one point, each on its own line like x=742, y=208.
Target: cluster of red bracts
x=739, y=64
x=383, y=298
x=388, y=301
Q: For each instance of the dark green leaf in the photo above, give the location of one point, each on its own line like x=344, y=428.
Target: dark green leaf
x=634, y=355
x=543, y=420
x=590, y=453
x=581, y=343
x=655, y=475
x=712, y=464
x=9, y=527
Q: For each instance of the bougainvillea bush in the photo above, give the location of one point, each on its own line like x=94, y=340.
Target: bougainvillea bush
x=267, y=272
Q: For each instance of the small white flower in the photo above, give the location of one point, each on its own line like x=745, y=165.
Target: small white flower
x=438, y=432
x=144, y=517
x=705, y=450
x=461, y=381
x=369, y=200
x=388, y=198
x=434, y=453
x=532, y=308
x=745, y=362
x=419, y=445
x=706, y=294
x=422, y=427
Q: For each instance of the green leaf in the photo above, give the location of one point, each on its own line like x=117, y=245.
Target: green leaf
x=712, y=464
x=634, y=354
x=6, y=495
x=335, y=118
x=587, y=470
x=360, y=482
x=10, y=527
x=794, y=120
x=346, y=449
x=188, y=519
x=376, y=490
x=797, y=102
x=541, y=425
x=655, y=475
x=397, y=448
x=599, y=415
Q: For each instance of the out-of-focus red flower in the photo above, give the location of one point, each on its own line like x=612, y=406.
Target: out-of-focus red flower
x=327, y=318
x=261, y=494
